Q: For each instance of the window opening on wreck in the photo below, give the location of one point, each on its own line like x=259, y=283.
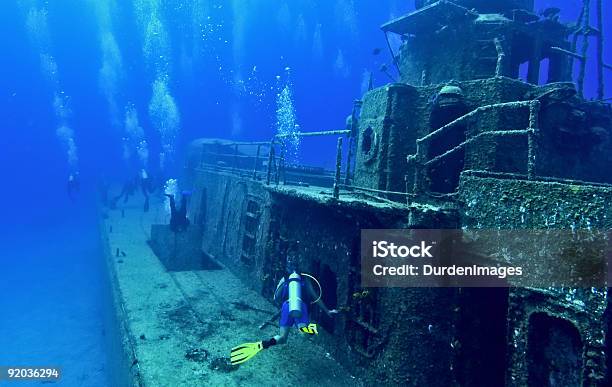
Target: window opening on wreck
x=554, y=353
x=521, y=52
x=540, y=73
x=544, y=70
x=523, y=71
x=368, y=140
x=252, y=206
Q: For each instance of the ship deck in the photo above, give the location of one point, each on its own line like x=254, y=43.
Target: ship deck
x=324, y=195
x=179, y=327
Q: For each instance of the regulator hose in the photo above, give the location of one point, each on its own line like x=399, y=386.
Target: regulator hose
x=318, y=284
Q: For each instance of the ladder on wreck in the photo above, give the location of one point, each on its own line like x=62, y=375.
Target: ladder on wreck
x=251, y=225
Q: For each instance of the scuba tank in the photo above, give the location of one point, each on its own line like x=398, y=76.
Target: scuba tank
x=294, y=298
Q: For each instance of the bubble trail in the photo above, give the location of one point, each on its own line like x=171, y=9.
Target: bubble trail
x=286, y=123
x=37, y=27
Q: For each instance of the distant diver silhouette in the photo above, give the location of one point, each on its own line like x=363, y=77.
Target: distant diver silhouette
x=178, y=217
x=73, y=186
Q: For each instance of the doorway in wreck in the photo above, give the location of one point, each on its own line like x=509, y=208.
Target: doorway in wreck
x=481, y=336
x=554, y=352
x=329, y=285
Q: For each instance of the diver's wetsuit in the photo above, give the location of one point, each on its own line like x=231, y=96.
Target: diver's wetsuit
x=128, y=189
x=146, y=187
x=178, y=218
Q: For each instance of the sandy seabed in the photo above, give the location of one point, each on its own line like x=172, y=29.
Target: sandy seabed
x=51, y=300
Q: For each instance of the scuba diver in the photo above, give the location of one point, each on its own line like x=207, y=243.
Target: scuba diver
x=126, y=191
x=73, y=186
x=291, y=292
x=178, y=217
x=131, y=185
x=146, y=187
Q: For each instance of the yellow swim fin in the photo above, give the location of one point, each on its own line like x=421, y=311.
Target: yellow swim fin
x=244, y=352
x=311, y=329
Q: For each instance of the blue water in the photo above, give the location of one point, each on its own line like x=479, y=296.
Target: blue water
x=185, y=69
x=53, y=299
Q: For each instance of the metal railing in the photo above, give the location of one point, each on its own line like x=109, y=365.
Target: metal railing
x=276, y=167
x=419, y=161
x=220, y=158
